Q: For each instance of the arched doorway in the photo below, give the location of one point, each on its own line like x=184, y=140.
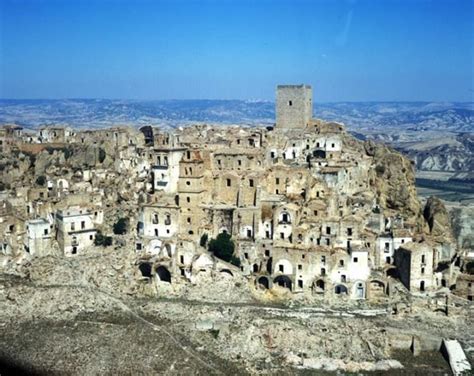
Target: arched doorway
x=227, y=271
x=283, y=281
x=145, y=269
x=319, y=286
x=263, y=282
x=163, y=274
x=340, y=289
x=255, y=268
x=377, y=288
x=359, y=290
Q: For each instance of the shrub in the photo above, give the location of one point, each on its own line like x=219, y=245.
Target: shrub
x=121, y=227
x=470, y=267
x=41, y=180
x=222, y=247
x=102, y=155
x=380, y=169
x=102, y=240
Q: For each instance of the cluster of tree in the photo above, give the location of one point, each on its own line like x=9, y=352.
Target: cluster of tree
x=223, y=247
x=102, y=240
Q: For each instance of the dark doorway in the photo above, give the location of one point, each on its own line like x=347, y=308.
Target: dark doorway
x=283, y=281
x=145, y=269
x=163, y=274
x=263, y=281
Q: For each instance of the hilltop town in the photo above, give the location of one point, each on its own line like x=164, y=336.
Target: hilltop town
x=299, y=212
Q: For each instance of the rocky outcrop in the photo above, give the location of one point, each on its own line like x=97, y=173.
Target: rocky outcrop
x=393, y=177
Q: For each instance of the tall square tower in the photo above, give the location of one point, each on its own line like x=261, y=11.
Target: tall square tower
x=294, y=106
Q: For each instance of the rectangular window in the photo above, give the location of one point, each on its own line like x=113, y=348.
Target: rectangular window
x=282, y=235
x=349, y=231
x=300, y=267
x=83, y=225
x=249, y=233
x=73, y=226
x=239, y=162
x=328, y=230
x=251, y=182
x=277, y=180
x=228, y=182
x=356, y=259
x=281, y=268
x=300, y=283
x=290, y=103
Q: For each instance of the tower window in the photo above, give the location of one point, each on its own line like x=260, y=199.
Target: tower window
x=228, y=182
x=290, y=103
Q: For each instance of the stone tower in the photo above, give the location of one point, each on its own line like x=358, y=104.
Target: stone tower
x=294, y=106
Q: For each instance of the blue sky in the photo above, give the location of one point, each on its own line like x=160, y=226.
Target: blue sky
x=413, y=50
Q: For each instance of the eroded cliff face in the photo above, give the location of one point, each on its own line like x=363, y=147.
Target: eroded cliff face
x=437, y=217
x=393, y=179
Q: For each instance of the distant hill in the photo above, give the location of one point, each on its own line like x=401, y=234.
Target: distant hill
x=358, y=116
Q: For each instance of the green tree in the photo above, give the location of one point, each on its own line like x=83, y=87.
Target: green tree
x=41, y=180
x=223, y=247
x=121, y=227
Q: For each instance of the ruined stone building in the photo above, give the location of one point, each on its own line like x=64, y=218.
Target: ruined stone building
x=309, y=208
